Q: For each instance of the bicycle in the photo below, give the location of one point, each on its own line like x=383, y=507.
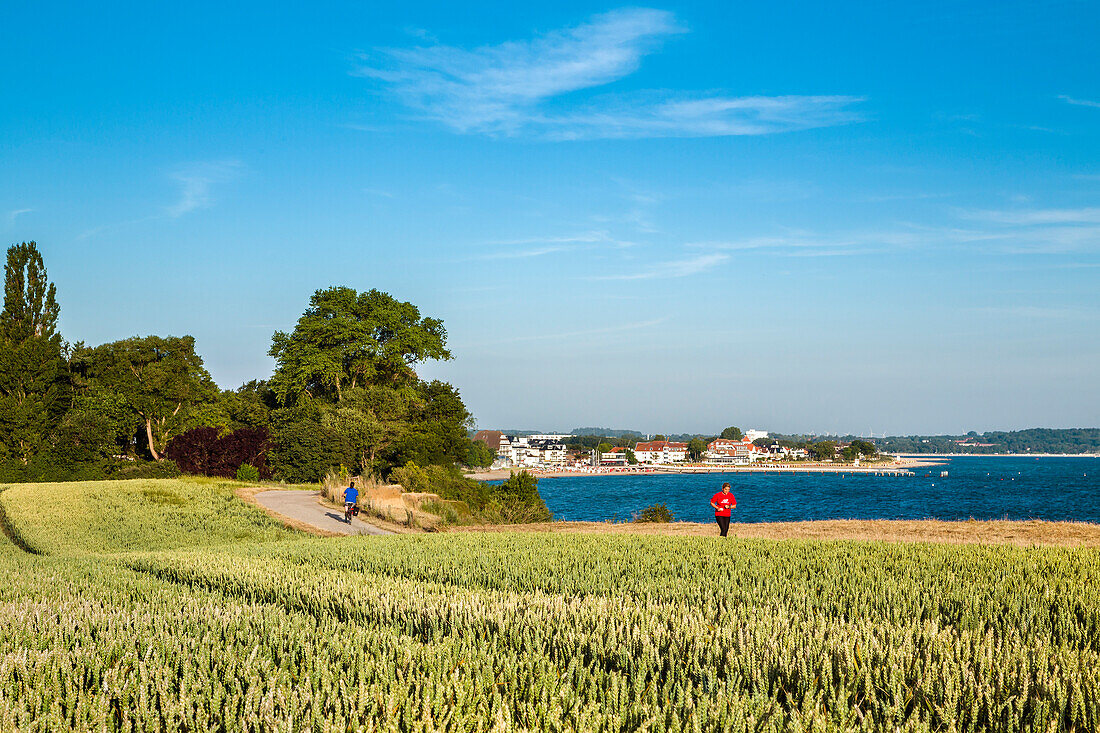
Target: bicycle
x=349, y=511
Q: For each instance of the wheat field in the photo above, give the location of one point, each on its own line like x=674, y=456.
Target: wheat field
x=272, y=630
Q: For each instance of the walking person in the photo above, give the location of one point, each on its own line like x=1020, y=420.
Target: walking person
x=723, y=502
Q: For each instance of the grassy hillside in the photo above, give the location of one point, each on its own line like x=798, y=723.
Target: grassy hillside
x=115, y=516
x=547, y=632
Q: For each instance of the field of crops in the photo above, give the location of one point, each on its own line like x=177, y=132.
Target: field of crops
x=530, y=632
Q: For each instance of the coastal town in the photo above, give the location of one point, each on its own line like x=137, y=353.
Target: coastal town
x=553, y=452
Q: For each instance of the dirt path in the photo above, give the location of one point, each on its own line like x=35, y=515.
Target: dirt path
x=305, y=508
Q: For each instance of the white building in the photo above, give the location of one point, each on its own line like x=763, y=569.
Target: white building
x=725, y=450
x=530, y=452
x=613, y=457
x=660, y=451
x=754, y=435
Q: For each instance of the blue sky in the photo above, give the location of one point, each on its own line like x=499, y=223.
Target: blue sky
x=847, y=217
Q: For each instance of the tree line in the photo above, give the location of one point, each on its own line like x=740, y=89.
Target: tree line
x=344, y=393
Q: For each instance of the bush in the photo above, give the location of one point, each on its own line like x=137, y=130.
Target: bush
x=247, y=472
x=446, y=481
x=518, y=497
x=658, y=513
x=147, y=469
x=204, y=452
x=515, y=501
x=447, y=512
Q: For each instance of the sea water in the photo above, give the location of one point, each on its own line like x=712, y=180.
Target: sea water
x=979, y=487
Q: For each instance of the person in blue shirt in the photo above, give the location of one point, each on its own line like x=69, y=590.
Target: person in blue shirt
x=351, y=495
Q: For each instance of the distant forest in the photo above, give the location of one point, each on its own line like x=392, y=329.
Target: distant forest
x=1033, y=440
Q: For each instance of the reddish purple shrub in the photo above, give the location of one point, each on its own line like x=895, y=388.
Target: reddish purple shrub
x=201, y=451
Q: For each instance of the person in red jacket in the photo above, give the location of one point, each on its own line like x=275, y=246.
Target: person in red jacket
x=723, y=502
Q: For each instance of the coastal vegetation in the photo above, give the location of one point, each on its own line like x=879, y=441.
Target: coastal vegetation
x=252, y=627
x=655, y=514
x=344, y=392
x=513, y=501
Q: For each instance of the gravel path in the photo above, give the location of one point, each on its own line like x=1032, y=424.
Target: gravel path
x=305, y=506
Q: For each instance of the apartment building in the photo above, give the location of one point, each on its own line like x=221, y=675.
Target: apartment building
x=726, y=450
x=660, y=451
x=522, y=451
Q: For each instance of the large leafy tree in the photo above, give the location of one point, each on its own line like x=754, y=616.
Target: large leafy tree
x=32, y=370
x=161, y=380
x=351, y=357
x=347, y=339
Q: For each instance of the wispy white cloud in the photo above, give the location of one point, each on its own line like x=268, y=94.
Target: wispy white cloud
x=1079, y=102
x=605, y=330
x=1033, y=217
x=590, y=237
x=682, y=116
x=517, y=87
x=1011, y=231
x=196, y=181
x=810, y=244
x=15, y=213
x=519, y=254
x=672, y=268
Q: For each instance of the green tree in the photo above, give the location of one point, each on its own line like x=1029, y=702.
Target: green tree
x=658, y=436
x=98, y=425
x=33, y=395
x=371, y=420
x=161, y=379
x=303, y=447
x=439, y=426
x=347, y=339
x=604, y=447
x=480, y=455
x=822, y=450
x=30, y=300
x=696, y=448
x=732, y=433
x=33, y=381
x=862, y=448
x=631, y=458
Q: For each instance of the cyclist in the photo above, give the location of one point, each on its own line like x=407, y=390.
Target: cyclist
x=351, y=495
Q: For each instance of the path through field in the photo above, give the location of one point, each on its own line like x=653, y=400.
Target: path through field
x=304, y=506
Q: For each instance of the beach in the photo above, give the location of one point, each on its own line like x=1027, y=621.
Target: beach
x=902, y=465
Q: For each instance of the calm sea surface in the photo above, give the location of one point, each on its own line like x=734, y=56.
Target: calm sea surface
x=982, y=488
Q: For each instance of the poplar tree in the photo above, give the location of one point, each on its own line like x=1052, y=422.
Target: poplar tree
x=32, y=371
x=30, y=300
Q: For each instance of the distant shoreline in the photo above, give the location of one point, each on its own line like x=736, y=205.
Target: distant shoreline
x=997, y=455
x=894, y=468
